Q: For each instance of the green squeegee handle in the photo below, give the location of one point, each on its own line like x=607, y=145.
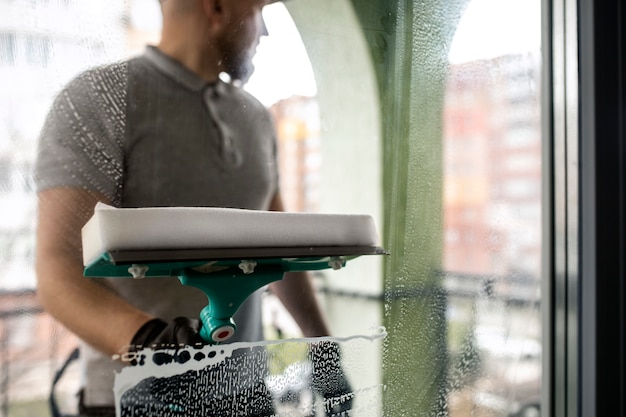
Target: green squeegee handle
x=226, y=292
x=226, y=283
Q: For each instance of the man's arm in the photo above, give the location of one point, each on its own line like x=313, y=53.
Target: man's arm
x=297, y=294
x=83, y=305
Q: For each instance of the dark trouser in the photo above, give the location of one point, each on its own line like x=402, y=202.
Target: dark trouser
x=97, y=412
x=94, y=411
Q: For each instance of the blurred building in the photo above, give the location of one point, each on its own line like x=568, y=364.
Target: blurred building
x=492, y=151
x=297, y=123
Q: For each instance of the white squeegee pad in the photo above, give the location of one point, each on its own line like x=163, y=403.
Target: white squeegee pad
x=113, y=228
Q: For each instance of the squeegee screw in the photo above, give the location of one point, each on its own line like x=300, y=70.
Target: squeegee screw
x=138, y=271
x=335, y=263
x=247, y=266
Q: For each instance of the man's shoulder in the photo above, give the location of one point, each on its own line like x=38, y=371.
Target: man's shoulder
x=94, y=92
x=107, y=77
x=110, y=75
x=244, y=98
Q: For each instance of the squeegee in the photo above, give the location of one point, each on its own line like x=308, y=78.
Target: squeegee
x=226, y=253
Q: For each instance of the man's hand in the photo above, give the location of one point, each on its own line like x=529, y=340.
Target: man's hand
x=159, y=334
x=328, y=379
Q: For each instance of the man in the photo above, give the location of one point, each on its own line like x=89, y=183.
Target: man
x=157, y=130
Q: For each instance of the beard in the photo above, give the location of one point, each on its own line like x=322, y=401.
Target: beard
x=240, y=70
x=237, y=62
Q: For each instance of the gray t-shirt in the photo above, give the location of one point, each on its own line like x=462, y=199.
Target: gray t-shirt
x=147, y=132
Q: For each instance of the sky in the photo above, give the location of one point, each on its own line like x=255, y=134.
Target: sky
x=294, y=76
x=491, y=28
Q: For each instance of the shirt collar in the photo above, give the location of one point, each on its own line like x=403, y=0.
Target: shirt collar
x=211, y=91
x=175, y=69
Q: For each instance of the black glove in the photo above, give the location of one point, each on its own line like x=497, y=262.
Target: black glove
x=159, y=334
x=328, y=379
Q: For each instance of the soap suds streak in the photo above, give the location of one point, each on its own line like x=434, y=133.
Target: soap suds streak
x=219, y=380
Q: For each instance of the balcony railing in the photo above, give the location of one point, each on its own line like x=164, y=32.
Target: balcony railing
x=33, y=346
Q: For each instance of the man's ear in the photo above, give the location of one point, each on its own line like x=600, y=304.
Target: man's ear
x=214, y=10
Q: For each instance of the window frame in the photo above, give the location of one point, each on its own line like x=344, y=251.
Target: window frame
x=584, y=230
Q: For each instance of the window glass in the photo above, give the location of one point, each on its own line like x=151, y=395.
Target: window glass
x=42, y=45
x=424, y=116
x=493, y=278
